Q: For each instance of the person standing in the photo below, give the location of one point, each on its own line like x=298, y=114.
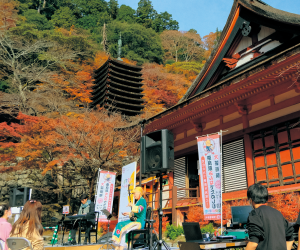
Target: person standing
x=267, y=228
x=119, y=237
x=5, y=226
x=87, y=208
x=29, y=225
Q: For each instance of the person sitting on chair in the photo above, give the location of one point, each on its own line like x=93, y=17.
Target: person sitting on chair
x=119, y=237
x=87, y=207
x=29, y=225
x=5, y=226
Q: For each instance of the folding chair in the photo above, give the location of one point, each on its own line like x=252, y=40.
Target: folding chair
x=18, y=243
x=145, y=231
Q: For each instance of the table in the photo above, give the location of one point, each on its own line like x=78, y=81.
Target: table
x=212, y=245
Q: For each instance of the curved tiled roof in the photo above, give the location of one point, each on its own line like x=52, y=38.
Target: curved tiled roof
x=257, y=7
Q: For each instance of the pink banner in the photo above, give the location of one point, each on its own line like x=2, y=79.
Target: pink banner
x=210, y=174
x=105, y=193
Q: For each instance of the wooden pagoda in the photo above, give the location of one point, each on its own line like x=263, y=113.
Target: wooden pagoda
x=118, y=87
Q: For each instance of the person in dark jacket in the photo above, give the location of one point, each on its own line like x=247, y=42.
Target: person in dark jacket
x=267, y=228
x=87, y=207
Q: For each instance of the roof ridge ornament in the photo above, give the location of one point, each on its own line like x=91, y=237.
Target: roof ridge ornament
x=120, y=48
x=246, y=28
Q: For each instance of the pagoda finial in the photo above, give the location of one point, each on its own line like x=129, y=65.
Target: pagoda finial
x=120, y=48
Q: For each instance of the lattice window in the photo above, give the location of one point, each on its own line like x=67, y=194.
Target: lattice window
x=276, y=154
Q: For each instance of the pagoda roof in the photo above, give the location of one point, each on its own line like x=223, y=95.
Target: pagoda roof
x=123, y=92
x=126, y=88
x=110, y=72
x=114, y=95
x=131, y=69
x=243, y=13
x=124, y=104
x=123, y=110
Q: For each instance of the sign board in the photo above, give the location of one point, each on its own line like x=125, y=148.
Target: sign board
x=66, y=209
x=105, y=193
x=128, y=181
x=210, y=174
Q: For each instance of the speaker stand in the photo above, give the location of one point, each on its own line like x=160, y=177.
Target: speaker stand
x=157, y=245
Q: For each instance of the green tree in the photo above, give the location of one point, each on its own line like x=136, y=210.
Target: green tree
x=126, y=14
x=4, y=86
x=91, y=7
x=139, y=43
x=193, y=31
x=164, y=21
x=113, y=7
x=63, y=17
x=38, y=20
x=145, y=13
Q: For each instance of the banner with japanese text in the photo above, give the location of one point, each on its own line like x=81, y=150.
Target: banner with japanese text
x=210, y=174
x=127, y=183
x=105, y=193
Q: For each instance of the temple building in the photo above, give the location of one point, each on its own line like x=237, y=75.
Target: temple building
x=118, y=87
x=250, y=89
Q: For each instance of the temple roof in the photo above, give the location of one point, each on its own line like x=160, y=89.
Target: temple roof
x=243, y=12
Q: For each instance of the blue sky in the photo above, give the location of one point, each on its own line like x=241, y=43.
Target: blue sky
x=205, y=15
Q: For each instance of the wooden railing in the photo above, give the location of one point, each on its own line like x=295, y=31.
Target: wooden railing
x=171, y=202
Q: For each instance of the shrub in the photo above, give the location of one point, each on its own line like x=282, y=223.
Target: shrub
x=208, y=229
x=173, y=232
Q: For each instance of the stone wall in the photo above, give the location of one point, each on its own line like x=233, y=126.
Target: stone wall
x=44, y=190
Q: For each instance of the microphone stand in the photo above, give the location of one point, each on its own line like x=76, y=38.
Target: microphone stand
x=108, y=242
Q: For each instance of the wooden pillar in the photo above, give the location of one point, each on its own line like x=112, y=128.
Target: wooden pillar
x=171, y=184
x=200, y=191
x=249, y=160
x=151, y=195
x=157, y=194
x=174, y=202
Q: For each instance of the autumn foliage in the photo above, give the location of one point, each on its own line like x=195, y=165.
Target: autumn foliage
x=8, y=14
x=165, y=222
x=103, y=226
x=162, y=89
x=287, y=203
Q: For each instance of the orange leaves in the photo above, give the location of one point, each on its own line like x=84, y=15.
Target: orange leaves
x=50, y=165
x=210, y=41
x=165, y=222
x=162, y=89
x=287, y=203
x=195, y=214
x=8, y=14
x=100, y=59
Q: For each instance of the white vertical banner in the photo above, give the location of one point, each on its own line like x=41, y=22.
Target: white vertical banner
x=128, y=181
x=105, y=193
x=210, y=173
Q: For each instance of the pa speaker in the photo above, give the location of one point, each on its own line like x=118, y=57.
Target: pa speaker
x=157, y=152
x=18, y=196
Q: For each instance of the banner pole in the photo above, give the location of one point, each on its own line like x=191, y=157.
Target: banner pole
x=207, y=135
x=221, y=161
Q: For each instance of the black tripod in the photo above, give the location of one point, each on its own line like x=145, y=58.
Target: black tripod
x=157, y=244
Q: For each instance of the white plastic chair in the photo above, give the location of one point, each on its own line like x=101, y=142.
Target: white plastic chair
x=18, y=243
